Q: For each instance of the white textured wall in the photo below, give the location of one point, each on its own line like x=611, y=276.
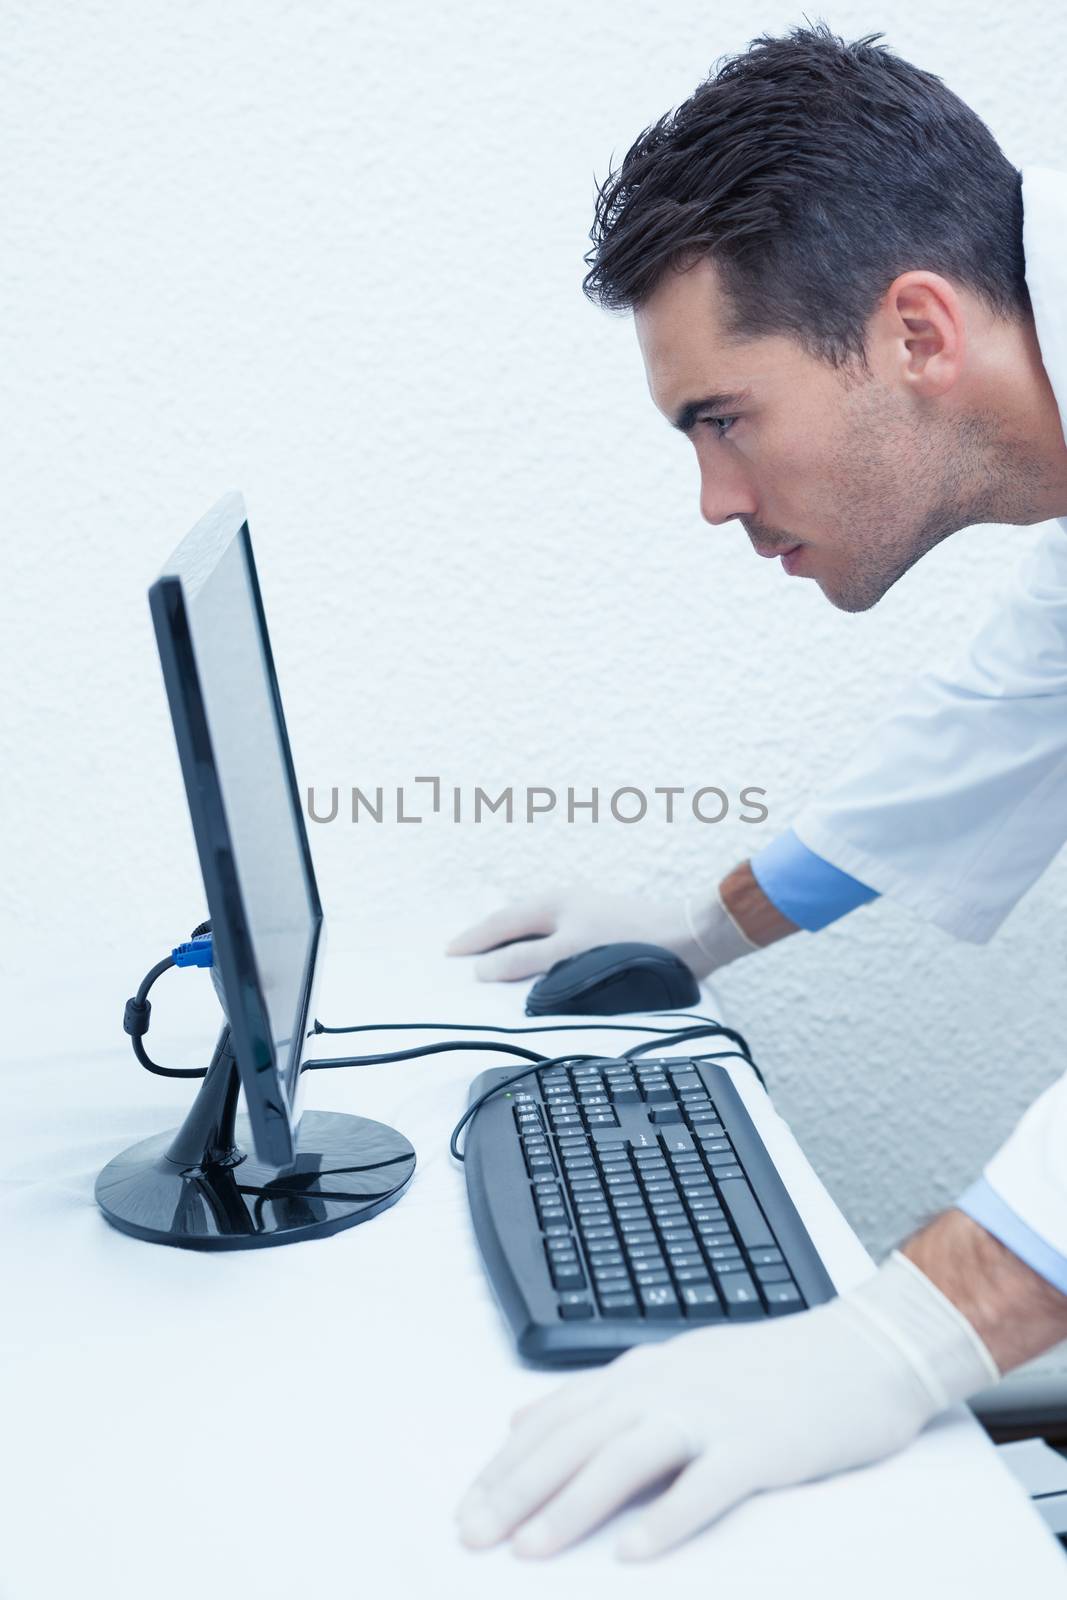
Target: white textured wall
x=330, y=254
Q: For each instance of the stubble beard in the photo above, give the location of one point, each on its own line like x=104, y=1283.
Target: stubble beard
x=965, y=471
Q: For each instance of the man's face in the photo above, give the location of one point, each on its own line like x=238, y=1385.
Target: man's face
x=843, y=469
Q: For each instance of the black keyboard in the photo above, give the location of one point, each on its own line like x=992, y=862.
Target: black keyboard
x=620, y=1201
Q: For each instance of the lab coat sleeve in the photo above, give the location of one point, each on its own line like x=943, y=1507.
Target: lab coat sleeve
x=1022, y=1196
x=957, y=802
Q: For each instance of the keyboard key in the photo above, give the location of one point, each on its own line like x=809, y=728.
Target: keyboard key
x=619, y=1305
x=646, y=1278
x=608, y=1138
x=768, y=1257
x=686, y=1078
x=729, y=1169
x=658, y=1300
x=701, y=1302
x=692, y=1274
x=678, y=1142
x=567, y=1274
x=745, y=1213
x=779, y=1274
x=574, y=1305
x=626, y=1095
x=782, y=1297
x=659, y=1094
x=666, y=1114
x=739, y=1296
x=602, y=1119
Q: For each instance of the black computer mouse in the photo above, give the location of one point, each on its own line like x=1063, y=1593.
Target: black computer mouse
x=612, y=978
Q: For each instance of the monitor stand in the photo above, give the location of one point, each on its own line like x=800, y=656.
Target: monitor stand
x=199, y=1188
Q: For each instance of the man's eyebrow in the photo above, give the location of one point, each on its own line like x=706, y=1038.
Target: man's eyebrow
x=684, y=419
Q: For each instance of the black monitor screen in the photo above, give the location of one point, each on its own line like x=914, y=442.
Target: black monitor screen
x=249, y=827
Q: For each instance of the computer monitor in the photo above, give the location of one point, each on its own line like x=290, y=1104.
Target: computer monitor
x=200, y=1187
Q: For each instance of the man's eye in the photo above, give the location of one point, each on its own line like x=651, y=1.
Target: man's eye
x=720, y=425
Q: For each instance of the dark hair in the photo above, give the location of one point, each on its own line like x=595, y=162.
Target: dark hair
x=812, y=172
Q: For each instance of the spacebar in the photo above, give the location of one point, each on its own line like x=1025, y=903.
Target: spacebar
x=745, y=1213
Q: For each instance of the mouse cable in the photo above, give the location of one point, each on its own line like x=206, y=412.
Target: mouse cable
x=488, y=1027
x=709, y=1026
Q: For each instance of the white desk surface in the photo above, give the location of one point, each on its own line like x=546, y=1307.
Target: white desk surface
x=301, y=1421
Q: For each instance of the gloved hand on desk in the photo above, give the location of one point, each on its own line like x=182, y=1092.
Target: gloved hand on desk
x=728, y=1411
x=707, y=930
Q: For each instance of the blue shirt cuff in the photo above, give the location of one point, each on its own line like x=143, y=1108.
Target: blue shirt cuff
x=983, y=1205
x=805, y=887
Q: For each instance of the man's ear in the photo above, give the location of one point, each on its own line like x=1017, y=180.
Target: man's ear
x=923, y=327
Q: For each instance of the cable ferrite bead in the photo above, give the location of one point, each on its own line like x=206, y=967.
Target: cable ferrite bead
x=135, y=1018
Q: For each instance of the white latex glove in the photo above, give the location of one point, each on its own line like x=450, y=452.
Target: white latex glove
x=725, y=1412
x=568, y=920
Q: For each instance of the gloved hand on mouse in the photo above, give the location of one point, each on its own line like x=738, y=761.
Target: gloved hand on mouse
x=720, y=1413
x=566, y=921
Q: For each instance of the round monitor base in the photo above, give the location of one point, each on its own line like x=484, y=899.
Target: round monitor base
x=346, y=1170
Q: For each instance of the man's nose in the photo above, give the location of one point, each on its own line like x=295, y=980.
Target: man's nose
x=723, y=498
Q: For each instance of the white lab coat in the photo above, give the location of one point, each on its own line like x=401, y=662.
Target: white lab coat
x=958, y=801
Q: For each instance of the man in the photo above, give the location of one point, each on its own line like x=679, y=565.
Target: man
x=856, y=309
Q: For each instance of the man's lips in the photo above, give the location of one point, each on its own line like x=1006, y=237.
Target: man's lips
x=769, y=551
